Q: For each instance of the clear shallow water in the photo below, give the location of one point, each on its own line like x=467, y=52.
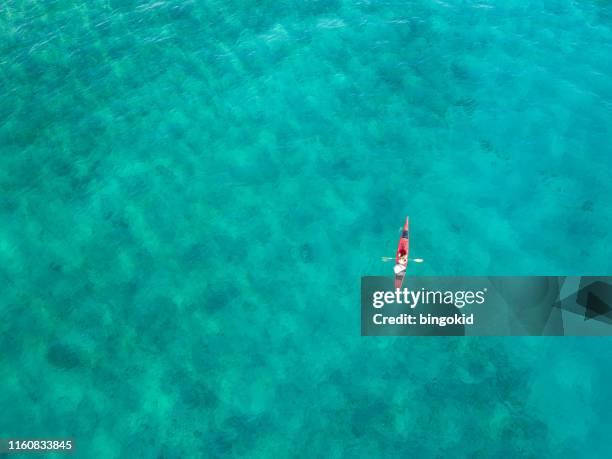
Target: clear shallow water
x=182, y=185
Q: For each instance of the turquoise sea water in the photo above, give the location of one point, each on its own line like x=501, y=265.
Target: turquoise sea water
x=190, y=192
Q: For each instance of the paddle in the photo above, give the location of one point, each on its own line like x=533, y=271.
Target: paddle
x=416, y=260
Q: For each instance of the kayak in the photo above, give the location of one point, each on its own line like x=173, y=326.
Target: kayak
x=402, y=252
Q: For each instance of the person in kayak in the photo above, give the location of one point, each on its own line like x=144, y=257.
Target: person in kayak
x=402, y=261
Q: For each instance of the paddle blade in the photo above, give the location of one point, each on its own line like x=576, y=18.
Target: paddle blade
x=418, y=260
